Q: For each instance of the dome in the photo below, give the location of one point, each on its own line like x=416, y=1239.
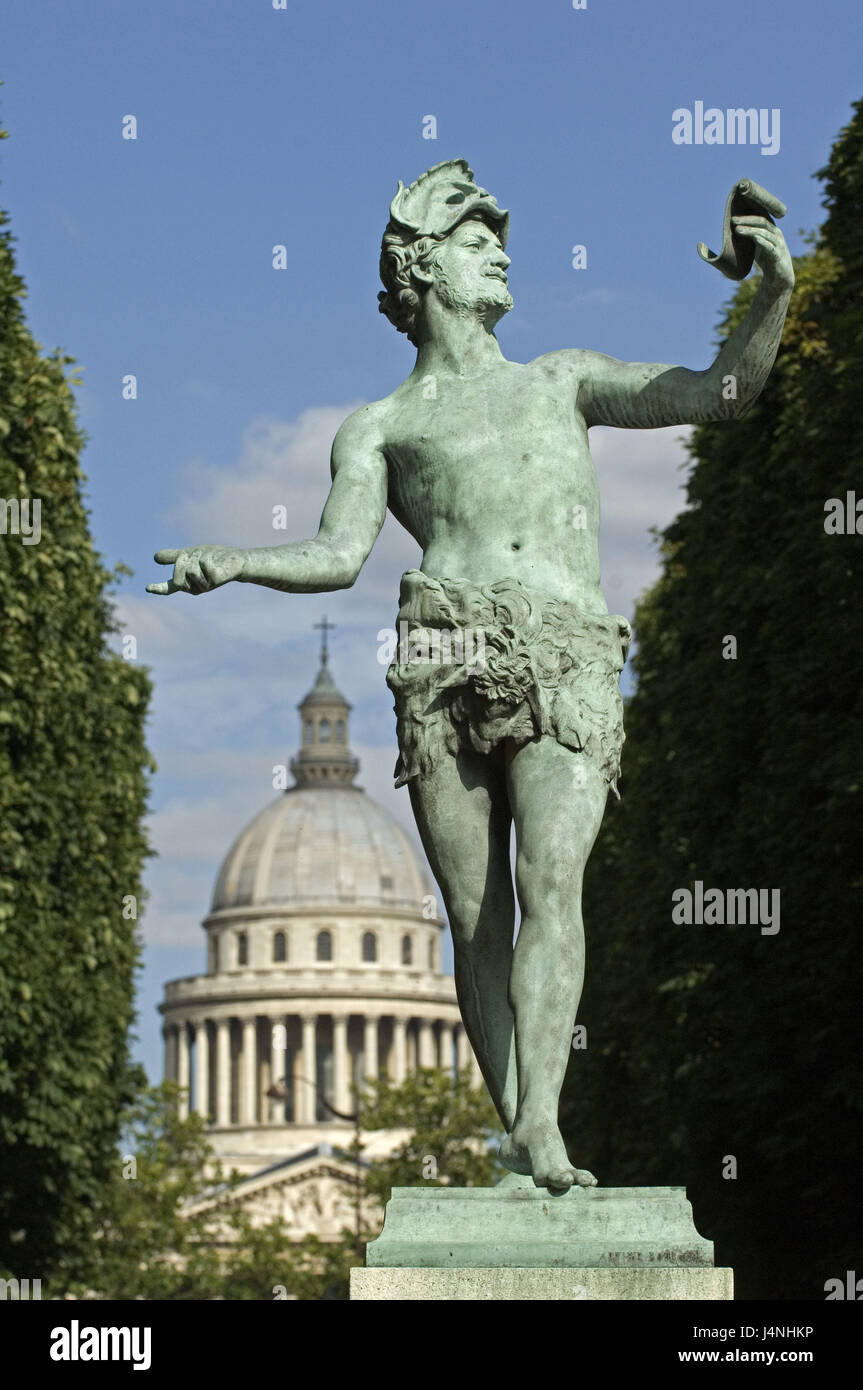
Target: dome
x=323, y=845
x=323, y=841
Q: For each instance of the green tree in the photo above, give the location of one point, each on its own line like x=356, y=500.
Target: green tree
x=169, y=1225
x=72, y=798
x=155, y=1237
x=711, y=1043
x=452, y=1125
x=143, y=1245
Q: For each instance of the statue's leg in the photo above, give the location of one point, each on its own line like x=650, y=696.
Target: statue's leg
x=558, y=798
x=464, y=821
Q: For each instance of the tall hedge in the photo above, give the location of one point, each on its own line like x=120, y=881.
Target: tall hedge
x=712, y=1043
x=72, y=796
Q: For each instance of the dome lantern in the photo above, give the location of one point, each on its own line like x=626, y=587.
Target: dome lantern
x=325, y=758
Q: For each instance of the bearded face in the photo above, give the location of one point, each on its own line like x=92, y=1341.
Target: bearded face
x=470, y=273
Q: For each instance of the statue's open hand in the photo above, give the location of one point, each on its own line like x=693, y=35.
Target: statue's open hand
x=199, y=569
x=771, y=253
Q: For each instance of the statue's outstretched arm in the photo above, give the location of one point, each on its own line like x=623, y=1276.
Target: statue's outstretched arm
x=352, y=517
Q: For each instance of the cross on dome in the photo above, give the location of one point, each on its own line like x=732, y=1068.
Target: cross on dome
x=324, y=758
x=325, y=627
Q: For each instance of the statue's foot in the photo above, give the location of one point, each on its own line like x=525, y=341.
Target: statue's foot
x=540, y=1153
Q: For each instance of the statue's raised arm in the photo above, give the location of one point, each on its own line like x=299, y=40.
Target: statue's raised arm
x=648, y=395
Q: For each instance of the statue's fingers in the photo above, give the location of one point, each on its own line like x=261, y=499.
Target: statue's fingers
x=751, y=220
x=180, y=568
x=197, y=581
x=166, y=588
x=763, y=235
x=166, y=557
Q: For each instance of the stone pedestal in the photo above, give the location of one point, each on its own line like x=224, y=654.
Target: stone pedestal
x=545, y=1285
x=516, y=1241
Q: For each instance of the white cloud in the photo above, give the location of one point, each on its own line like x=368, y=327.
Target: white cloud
x=641, y=484
x=280, y=462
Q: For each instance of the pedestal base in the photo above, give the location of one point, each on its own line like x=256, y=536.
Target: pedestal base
x=573, y=1285
x=517, y=1241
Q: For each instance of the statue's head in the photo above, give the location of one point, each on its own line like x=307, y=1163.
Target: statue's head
x=445, y=236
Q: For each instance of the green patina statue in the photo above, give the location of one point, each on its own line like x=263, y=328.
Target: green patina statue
x=507, y=689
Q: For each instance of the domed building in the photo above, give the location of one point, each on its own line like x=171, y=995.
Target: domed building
x=323, y=968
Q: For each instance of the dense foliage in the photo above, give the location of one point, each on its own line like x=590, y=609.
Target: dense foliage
x=153, y=1239
x=72, y=797
x=453, y=1137
x=714, y=1042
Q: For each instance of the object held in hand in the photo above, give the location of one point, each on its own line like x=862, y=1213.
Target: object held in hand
x=738, y=252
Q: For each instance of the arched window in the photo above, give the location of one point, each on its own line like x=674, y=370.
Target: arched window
x=309, y=731
x=324, y=731
x=325, y=945
x=214, y=953
x=280, y=947
x=407, y=951
x=431, y=953
x=370, y=946
x=242, y=948
x=340, y=731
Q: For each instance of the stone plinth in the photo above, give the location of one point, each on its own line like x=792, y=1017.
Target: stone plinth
x=574, y=1285
x=517, y=1241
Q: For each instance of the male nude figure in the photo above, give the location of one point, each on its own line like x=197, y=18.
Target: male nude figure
x=486, y=463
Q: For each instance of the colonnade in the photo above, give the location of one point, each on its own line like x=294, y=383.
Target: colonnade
x=228, y=1063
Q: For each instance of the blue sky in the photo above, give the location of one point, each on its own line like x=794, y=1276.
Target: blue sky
x=259, y=127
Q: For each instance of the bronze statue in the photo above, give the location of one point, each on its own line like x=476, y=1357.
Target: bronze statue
x=486, y=463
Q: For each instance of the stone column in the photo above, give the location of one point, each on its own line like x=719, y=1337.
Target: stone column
x=202, y=1069
x=169, y=1037
x=183, y=1067
x=446, y=1047
x=286, y=1064
x=341, y=1077
x=223, y=1071
x=426, y=1049
x=265, y=1075
x=248, y=1091
x=307, y=1095
x=297, y=1085
x=400, y=1050
x=464, y=1051
x=371, y=1061
x=278, y=1050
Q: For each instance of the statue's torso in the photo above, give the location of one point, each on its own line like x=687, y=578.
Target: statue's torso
x=493, y=477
